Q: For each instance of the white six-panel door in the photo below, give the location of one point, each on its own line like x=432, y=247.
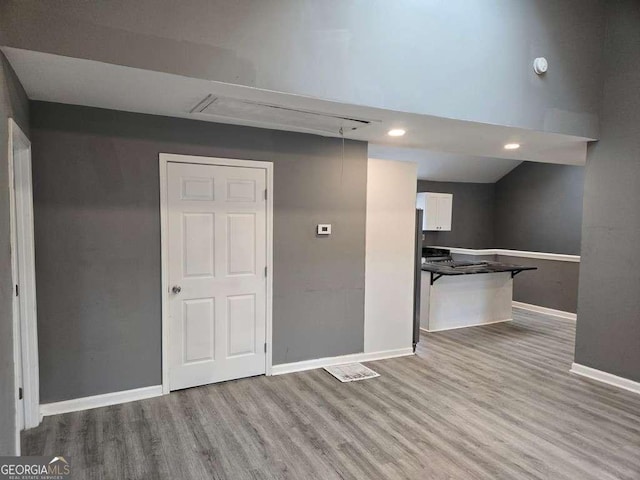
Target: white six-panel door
x=216, y=220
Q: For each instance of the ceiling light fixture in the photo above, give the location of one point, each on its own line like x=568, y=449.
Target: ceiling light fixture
x=512, y=146
x=396, y=132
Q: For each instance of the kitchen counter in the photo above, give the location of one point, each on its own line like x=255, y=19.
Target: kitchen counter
x=454, y=295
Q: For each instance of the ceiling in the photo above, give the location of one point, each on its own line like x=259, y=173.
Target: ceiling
x=447, y=167
x=476, y=150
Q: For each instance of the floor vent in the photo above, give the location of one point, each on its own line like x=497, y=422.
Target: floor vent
x=351, y=372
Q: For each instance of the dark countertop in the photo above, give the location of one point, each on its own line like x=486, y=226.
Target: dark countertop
x=469, y=268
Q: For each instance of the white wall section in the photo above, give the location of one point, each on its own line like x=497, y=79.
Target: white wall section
x=388, y=310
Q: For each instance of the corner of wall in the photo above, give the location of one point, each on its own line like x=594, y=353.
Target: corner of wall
x=13, y=104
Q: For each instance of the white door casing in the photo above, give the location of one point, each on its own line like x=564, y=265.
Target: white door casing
x=23, y=275
x=217, y=243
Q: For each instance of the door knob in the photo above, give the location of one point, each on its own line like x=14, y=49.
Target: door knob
x=176, y=289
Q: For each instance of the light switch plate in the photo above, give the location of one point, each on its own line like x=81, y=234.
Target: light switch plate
x=324, y=229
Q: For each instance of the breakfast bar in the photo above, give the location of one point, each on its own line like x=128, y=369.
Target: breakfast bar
x=461, y=293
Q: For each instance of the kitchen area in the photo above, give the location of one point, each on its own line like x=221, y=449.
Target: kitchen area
x=454, y=290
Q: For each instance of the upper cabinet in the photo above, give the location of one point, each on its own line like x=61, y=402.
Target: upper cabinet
x=438, y=210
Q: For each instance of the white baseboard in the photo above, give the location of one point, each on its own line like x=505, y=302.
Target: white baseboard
x=545, y=310
x=329, y=361
x=465, y=326
x=104, y=400
x=372, y=356
x=605, y=377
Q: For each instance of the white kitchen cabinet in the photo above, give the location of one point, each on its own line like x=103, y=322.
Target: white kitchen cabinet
x=438, y=210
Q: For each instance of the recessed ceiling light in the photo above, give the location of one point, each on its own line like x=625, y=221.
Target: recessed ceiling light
x=396, y=132
x=512, y=146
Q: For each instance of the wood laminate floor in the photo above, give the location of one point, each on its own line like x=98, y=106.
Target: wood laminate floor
x=491, y=402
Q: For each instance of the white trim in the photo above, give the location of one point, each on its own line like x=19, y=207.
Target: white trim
x=15, y=316
x=269, y=338
x=515, y=253
x=604, y=377
x=164, y=274
x=23, y=274
x=465, y=326
x=330, y=361
x=96, y=401
x=164, y=160
x=539, y=255
x=545, y=310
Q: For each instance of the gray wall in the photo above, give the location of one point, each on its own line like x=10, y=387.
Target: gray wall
x=462, y=59
x=608, y=334
x=553, y=285
x=538, y=207
x=472, y=220
x=14, y=104
x=98, y=241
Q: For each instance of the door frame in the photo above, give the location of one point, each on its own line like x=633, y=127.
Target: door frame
x=24, y=311
x=164, y=160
